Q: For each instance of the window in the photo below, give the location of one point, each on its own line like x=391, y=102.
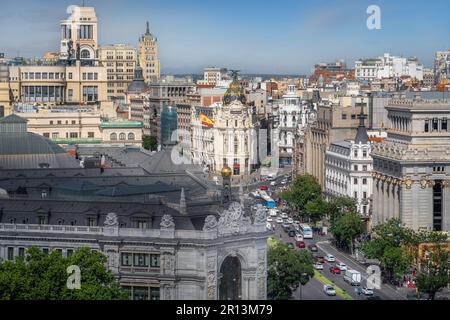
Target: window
x=364, y=167
x=364, y=181
x=10, y=253
x=365, y=195
x=426, y=127
x=74, y=135
x=92, y=222
x=356, y=195
x=70, y=77
x=113, y=136
x=444, y=125
x=90, y=93
x=42, y=220
x=344, y=116
x=355, y=180
x=435, y=124
x=140, y=260
x=69, y=252
x=355, y=167
x=142, y=224
x=355, y=153
x=55, y=135
x=22, y=252
x=127, y=259
x=45, y=250
x=131, y=136
x=51, y=121
x=70, y=94
x=85, y=54
x=154, y=261
x=90, y=134
x=122, y=136
x=46, y=134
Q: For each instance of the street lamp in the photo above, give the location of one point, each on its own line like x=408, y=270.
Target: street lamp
x=303, y=280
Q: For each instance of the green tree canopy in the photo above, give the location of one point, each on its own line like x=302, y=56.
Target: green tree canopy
x=43, y=276
x=346, y=228
x=304, y=189
x=287, y=269
x=316, y=209
x=337, y=206
x=149, y=143
x=434, y=271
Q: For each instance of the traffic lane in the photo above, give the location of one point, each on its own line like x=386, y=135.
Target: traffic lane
x=386, y=292
x=313, y=290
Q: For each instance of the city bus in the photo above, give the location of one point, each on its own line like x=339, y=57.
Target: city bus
x=306, y=231
x=268, y=201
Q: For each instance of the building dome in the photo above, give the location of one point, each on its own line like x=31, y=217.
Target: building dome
x=226, y=172
x=20, y=149
x=138, y=84
x=235, y=92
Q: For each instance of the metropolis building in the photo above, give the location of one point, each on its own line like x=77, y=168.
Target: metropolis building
x=411, y=178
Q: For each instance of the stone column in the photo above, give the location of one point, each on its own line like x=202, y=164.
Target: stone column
x=446, y=205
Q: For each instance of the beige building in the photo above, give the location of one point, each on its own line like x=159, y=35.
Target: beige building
x=120, y=61
x=79, y=35
x=334, y=123
x=81, y=125
x=148, y=56
x=5, y=99
x=52, y=85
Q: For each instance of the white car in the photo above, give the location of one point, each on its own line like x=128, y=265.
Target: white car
x=289, y=220
x=269, y=226
x=273, y=183
x=341, y=266
x=284, y=215
x=298, y=237
x=279, y=220
x=367, y=291
x=329, y=258
x=329, y=290
x=318, y=266
x=269, y=219
x=273, y=212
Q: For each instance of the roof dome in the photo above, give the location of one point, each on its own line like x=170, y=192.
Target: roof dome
x=138, y=84
x=235, y=92
x=20, y=149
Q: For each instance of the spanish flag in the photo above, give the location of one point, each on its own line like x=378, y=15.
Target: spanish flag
x=206, y=121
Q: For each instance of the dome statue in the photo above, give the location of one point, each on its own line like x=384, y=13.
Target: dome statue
x=226, y=172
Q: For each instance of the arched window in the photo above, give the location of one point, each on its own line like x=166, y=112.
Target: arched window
x=113, y=136
x=122, y=136
x=85, y=54
x=131, y=136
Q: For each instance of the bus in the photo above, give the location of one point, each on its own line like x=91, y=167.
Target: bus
x=268, y=201
x=306, y=231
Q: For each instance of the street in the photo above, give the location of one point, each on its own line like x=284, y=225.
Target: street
x=313, y=290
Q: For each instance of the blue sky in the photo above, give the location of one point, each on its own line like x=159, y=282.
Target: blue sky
x=256, y=36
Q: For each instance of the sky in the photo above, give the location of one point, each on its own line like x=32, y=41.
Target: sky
x=255, y=36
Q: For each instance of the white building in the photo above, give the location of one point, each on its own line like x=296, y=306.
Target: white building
x=213, y=76
x=225, y=134
x=290, y=116
x=348, y=169
x=388, y=66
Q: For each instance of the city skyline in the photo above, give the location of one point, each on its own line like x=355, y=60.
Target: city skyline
x=296, y=35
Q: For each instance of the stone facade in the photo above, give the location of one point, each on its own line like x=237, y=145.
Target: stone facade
x=411, y=167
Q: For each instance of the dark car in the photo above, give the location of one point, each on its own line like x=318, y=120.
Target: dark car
x=290, y=246
x=291, y=233
x=313, y=248
x=335, y=270
x=319, y=259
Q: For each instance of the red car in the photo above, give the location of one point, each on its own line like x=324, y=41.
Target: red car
x=335, y=270
x=300, y=244
x=264, y=188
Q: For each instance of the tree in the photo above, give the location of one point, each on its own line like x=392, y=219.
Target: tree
x=287, y=269
x=337, y=206
x=43, y=276
x=149, y=143
x=346, y=228
x=315, y=209
x=304, y=189
x=434, y=270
